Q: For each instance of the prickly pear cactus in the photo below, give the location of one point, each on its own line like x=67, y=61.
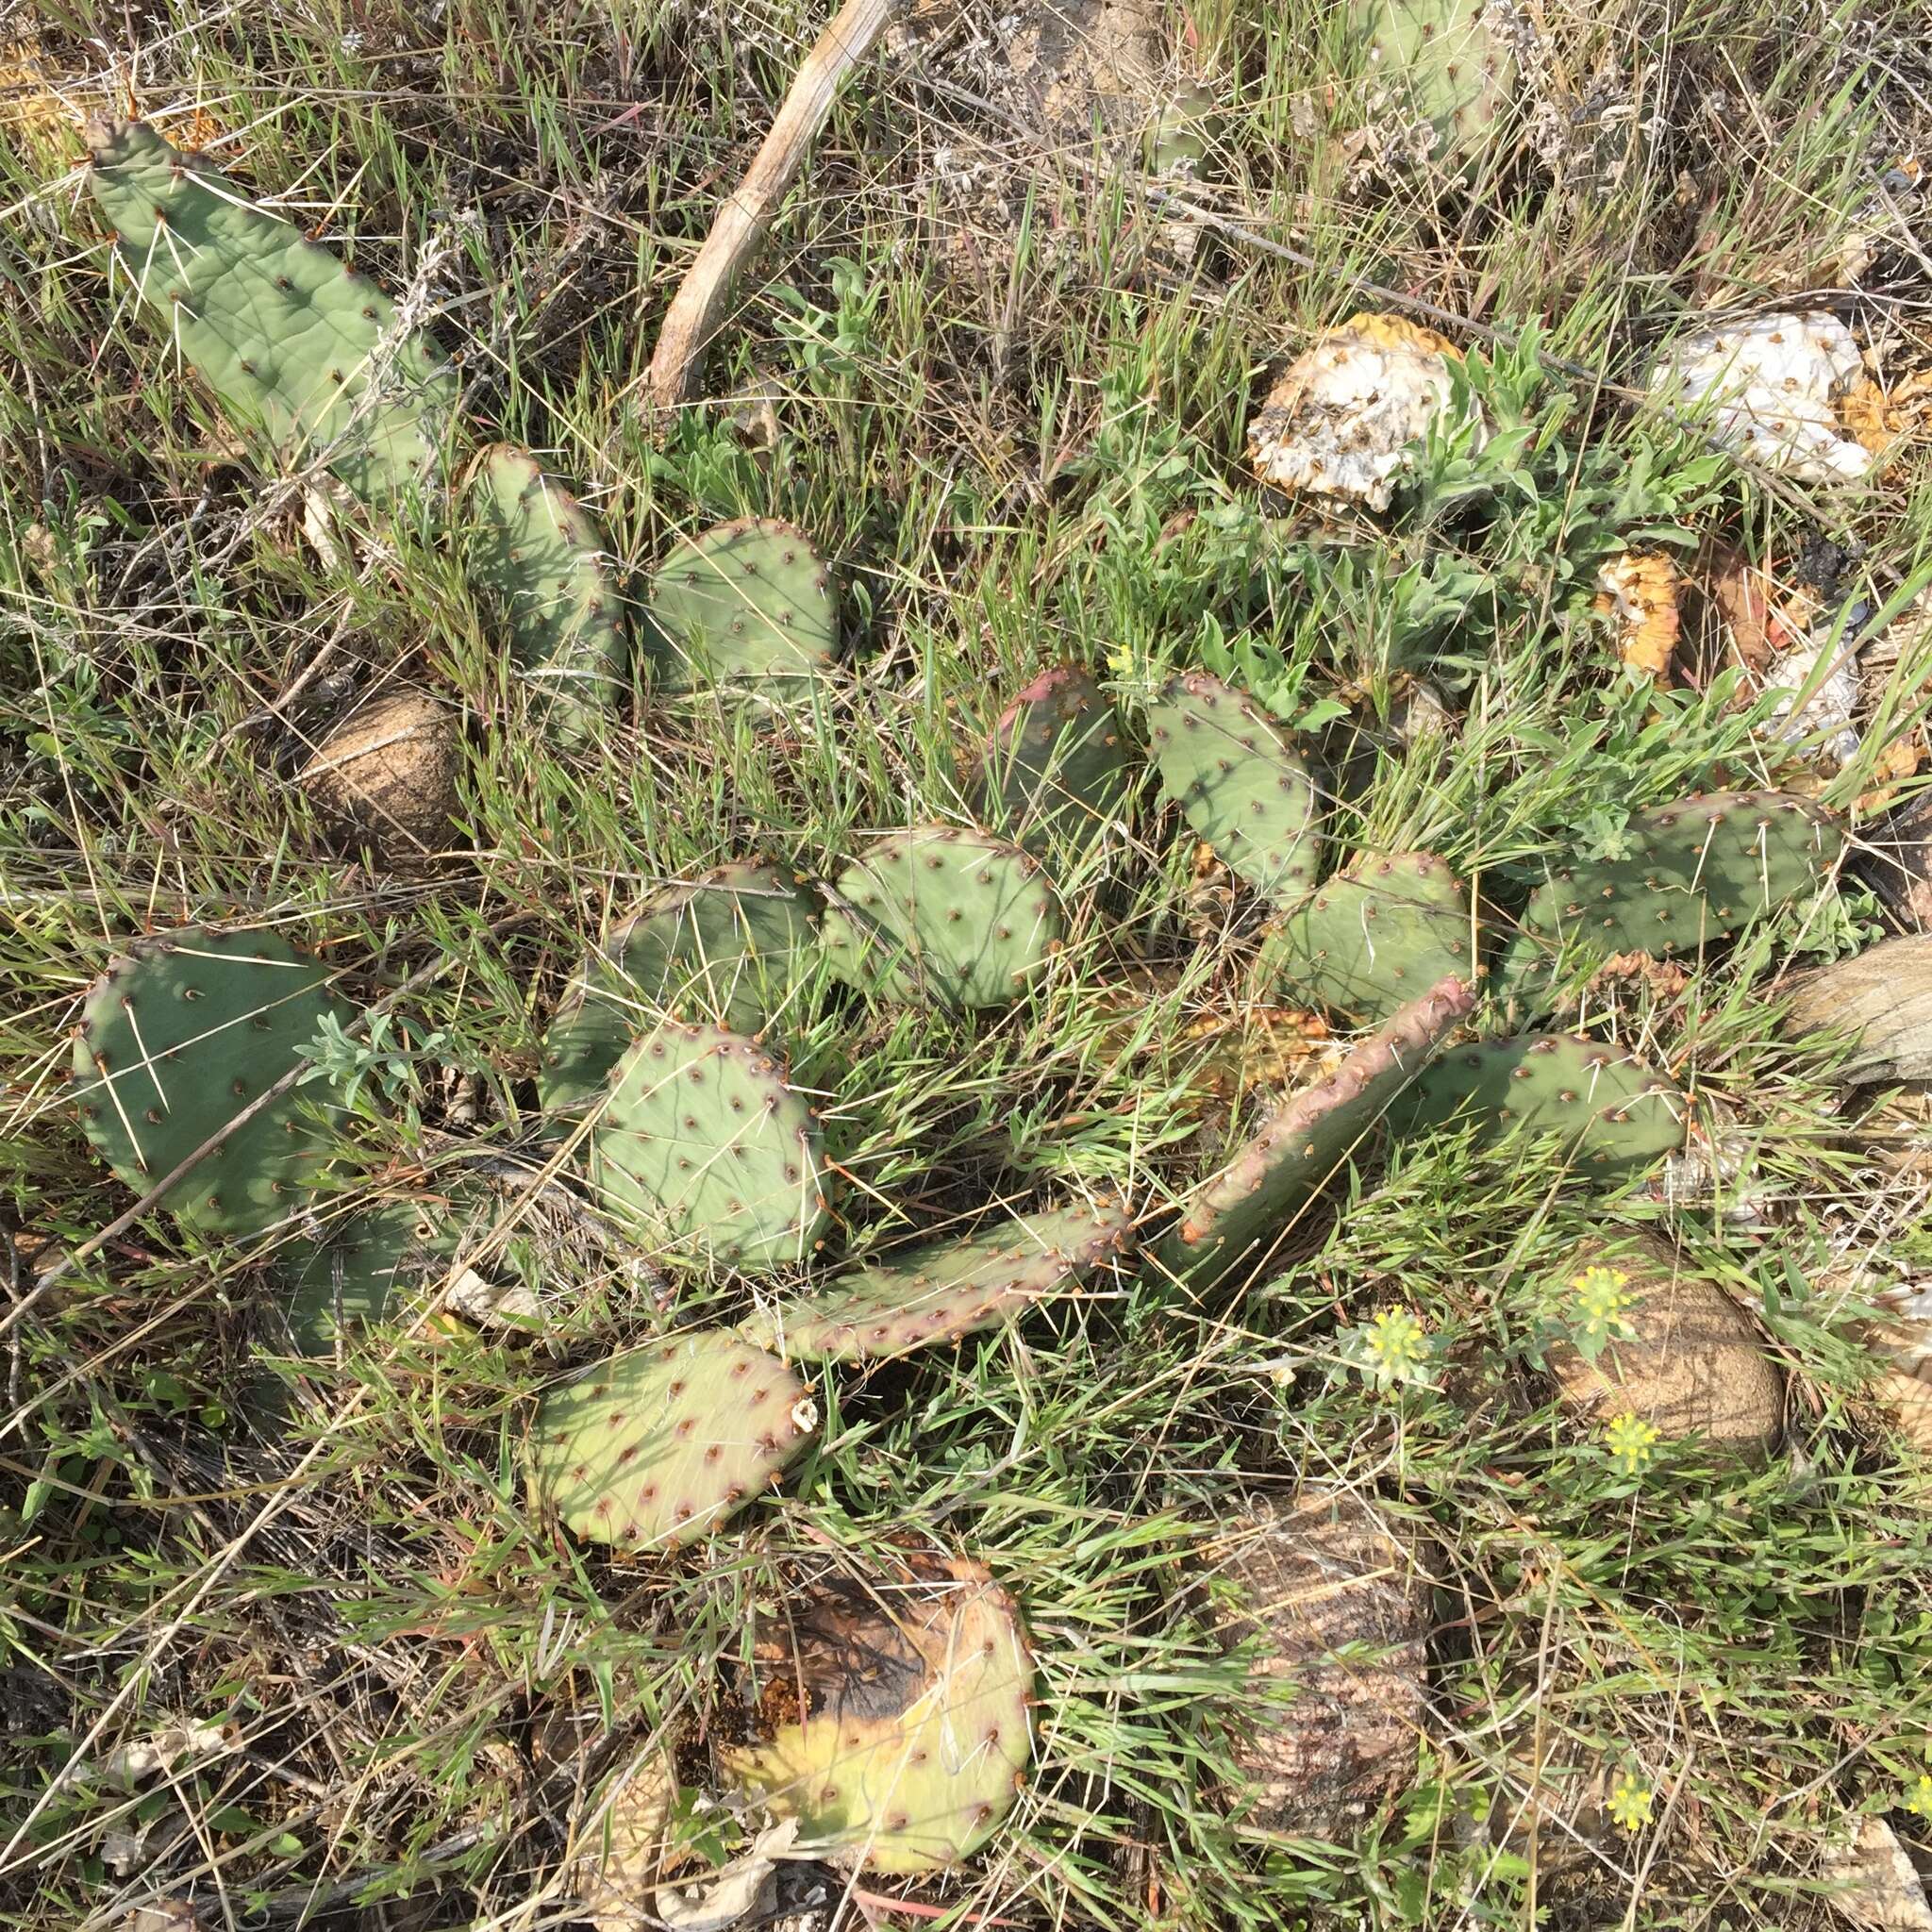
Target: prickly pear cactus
x=1242, y=787
x=700, y=1140
x=1233, y=1216
x=1056, y=769
x=1695, y=870
x=943, y=915
x=176, y=1040
x=1613, y=1110
x=1375, y=935
x=747, y=606
x=348, y=1281
x=1452, y=62
x=893, y=1715
x=543, y=566
x=654, y=1449
x=947, y=1290
x=301, y=351
x=728, y=947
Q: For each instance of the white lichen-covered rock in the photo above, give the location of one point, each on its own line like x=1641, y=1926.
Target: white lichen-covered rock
x=1346, y=419
x=1820, y=680
x=1774, y=383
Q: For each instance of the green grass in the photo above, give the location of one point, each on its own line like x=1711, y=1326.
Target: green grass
x=355, y=1584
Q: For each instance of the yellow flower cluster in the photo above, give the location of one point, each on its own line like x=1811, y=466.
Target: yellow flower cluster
x=1630, y=1442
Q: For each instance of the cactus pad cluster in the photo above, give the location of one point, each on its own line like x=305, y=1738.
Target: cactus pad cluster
x=1376, y=933
x=699, y=1141
x=745, y=606
x=1243, y=788
x=177, y=1039
x=943, y=915
x=947, y=1290
x=1233, y=1216
x=303, y=353
x=1055, y=770
x=728, y=947
x=651, y=1449
x=542, y=566
x=893, y=1713
x=1611, y=1108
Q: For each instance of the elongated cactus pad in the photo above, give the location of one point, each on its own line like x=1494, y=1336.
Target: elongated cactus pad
x=728, y=947
x=178, y=1038
x=654, y=1449
x=947, y=1290
x=1056, y=769
x=1369, y=938
x=1230, y=1218
x=894, y=1715
x=747, y=605
x=942, y=915
x=1242, y=787
x=1452, y=61
x=301, y=351
x=700, y=1140
x=1612, y=1108
x=543, y=566
x=349, y=1280
x=1696, y=871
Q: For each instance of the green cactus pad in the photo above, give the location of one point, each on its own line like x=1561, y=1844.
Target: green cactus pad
x=1371, y=938
x=1242, y=787
x=944, y=1291
x=176, y=1040
x=347, y=1281
x=1452, y=62
x=893, y=1715
x=730, y=947
x=942, y=915
x=748, y=606
x=653, y=1449
x=1056, y=769
x=1612, y=1108
x=294, y=345
x=543, y=565
x=1231, y=1218
x=700, y=1140
x=1696, y=871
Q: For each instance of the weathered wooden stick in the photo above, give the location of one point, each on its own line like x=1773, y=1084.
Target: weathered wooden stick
x=740, y=229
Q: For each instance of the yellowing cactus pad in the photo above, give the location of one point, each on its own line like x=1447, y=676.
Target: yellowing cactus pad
x=894, y=1715
x=1345, y=419
x=654, y=1449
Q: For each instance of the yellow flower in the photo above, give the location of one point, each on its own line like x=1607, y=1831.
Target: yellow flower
x=1630, y=1440
x=1630, y=1799
x=1397, y=1344
x=1120, y=661
x=1602, y=1302
x=1921, y=1798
